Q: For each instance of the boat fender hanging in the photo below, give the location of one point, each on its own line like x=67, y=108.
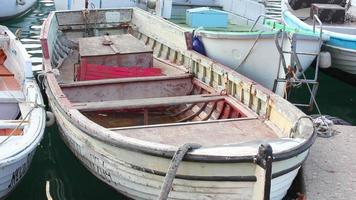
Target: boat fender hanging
x=50, y=119
x=20, y=2
x=197, y=44
x=325, y=60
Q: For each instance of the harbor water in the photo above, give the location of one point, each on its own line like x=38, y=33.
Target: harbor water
x=68, y=179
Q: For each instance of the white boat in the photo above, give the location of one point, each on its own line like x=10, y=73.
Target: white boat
x=22, y=116
x=125, y=131
x=341, y=44
x=14, y=8
x=251, y=46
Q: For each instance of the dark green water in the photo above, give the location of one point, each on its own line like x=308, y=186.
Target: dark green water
x=68, y=179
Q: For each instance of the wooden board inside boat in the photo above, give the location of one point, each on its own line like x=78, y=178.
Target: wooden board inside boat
x=207, y=134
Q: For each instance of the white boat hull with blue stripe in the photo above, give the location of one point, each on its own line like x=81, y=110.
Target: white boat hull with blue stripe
x=342, y=37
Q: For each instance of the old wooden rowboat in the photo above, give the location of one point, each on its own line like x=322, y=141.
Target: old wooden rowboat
x=22, y=116
x=127, y=130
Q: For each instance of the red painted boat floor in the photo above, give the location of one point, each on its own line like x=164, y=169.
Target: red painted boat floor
x=9, y=83
x=88, y=72
x=4, y=71
x=7, y=132
x=7, y=80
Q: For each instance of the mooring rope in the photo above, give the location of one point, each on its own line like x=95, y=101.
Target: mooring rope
x=173, y=168
x=249, y=52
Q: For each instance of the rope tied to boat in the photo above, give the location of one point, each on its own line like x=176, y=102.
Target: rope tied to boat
x=250, y=51
x=173, y=168
x=17, y=127
x=34, y=105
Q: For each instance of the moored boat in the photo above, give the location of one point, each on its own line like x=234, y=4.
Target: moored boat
x=127, y=114
x=22, y=117
x=14, y=8
x=340, y=28
x=252, y=44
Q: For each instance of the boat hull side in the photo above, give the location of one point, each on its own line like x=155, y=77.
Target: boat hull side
x=251, y=60
x=342, y=59
x=10, y=9
x=11, y=174
x=232, y=52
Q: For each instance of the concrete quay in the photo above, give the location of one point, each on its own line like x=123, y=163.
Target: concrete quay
x=330, y=170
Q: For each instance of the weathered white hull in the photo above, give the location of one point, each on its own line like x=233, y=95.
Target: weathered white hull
x=11, y=174
x=20, y=152
x=261, y=62
x=119, y=168
x=342, y=59
x=10, y=8
x=137, y=167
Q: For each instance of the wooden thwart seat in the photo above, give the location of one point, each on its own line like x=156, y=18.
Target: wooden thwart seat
x=207, y=133
x=7, y=127
x=11, y=124
x=12, y=132
x=147, y=103
x=124, y=80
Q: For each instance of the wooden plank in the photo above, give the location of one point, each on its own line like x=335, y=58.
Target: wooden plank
x=208, y=133
x=124, y=80
x=107, y=16
x=11, y=96
x=9, y=83
x=11, y=124
x=146, y=103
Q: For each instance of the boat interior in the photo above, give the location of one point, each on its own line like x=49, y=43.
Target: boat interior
x=11, y=94
x=346, y=24
x=114, y=78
